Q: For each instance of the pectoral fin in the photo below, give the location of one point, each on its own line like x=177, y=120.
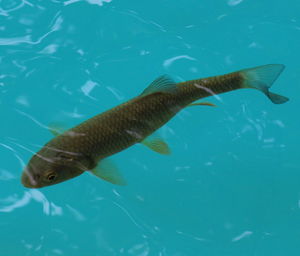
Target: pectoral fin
x=108, y=171
x=202, y=104
x=156, y=144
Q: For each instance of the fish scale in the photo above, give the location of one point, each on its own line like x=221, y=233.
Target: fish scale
x=83, y=147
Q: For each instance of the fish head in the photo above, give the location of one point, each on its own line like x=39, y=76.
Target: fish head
x=49, y=167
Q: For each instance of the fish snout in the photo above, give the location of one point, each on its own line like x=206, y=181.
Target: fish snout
x=28, y=180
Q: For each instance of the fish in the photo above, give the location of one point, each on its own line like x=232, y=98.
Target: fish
x=88, y=146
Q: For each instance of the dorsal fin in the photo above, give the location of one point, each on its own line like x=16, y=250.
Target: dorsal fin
x=161, y=84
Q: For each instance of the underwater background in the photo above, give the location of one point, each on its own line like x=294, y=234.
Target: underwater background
x=232, y=184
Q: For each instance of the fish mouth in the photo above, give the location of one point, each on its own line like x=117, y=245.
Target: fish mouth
x=28, y=180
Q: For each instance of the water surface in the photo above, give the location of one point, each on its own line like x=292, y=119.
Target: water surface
x=232, y=184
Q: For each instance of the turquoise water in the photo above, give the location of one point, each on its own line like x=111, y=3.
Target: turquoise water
x=232, y=184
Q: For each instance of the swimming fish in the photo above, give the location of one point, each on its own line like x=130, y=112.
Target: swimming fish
x=87, y=146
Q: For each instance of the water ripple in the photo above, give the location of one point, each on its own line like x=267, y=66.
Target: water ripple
x=96, y=2
x=167, y=63
x=115, y=92
x=191, y=236
x=141, y=249
x=6, y=175
x=32, y=119
x=49, y=49
x=16, y=203
x=22, y=163
x=241, y=236
x=77, y=215
x=27, y=39
x=234, y=2
x=135, y=15
x=13, y=202
x=88, y=87
x=5, y=11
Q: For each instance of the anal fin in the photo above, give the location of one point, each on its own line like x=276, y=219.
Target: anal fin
x=157, y=144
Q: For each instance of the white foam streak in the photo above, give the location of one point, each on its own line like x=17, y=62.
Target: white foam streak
x=36, y=195
x=32, y=118
x=39, y=197
x=128, y=214
x=115, y=92
x=77, y=215
x=17, y=203
x=234, y=2
x=22, y=163
x=88, y=87
x=241, y=236
x=6, y=175
x=168, y=62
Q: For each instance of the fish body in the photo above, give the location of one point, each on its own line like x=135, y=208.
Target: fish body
x=84, y=146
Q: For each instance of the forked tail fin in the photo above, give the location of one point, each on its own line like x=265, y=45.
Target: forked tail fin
x=262, y=78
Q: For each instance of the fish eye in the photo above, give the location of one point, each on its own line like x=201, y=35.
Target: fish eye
x=51, y=176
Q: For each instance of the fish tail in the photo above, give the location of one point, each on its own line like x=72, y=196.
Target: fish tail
x=262, y=78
